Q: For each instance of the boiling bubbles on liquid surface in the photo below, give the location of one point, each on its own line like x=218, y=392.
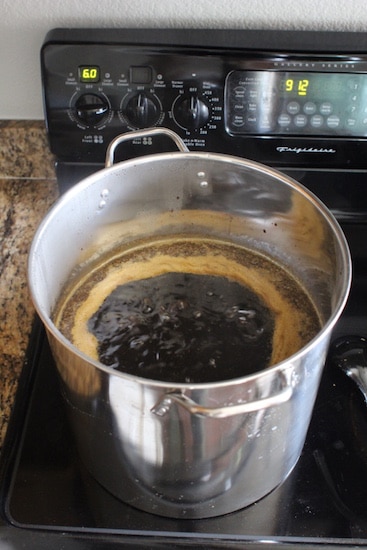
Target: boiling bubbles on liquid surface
x=182, y=327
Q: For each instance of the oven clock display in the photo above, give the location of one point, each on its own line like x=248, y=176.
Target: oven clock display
x=296, y=85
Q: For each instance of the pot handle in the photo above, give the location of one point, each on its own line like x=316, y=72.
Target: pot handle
x=163, y=405
x=148, y=132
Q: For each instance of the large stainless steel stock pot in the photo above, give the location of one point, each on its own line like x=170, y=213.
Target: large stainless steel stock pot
x=191, y=450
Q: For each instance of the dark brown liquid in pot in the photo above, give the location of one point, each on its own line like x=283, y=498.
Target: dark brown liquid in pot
x=187, y=310
x=183, y=327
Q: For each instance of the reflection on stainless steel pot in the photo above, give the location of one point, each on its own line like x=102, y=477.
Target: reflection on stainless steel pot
x=191, y=450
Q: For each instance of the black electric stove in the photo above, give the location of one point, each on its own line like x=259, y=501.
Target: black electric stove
x=100, y=83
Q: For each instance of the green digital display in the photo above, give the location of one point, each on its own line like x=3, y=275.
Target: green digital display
x=336, y=87
x=89, y=73
x=297, y=103
x=299, y=86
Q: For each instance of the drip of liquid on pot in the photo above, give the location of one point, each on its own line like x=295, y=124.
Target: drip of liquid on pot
x=183, y=327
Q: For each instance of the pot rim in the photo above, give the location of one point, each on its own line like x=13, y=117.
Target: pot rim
x=184, y=156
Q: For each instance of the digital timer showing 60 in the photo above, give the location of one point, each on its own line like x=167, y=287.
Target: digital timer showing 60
x=89, y=73
x=300, y=87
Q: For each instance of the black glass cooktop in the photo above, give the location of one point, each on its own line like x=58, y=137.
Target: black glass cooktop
x=49, y=500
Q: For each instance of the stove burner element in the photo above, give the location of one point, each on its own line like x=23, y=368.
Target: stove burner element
x=350, y=354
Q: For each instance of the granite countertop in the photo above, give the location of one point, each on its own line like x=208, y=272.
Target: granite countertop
x=27, y=190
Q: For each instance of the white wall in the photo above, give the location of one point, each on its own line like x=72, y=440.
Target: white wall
x=24, y=23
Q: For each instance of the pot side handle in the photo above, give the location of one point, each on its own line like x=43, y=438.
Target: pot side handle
x=163, y=406
x=148, y=132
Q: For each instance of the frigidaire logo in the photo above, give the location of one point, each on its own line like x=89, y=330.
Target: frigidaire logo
x=298, y=150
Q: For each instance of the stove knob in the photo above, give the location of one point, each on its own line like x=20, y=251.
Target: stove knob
x=141, y=110
x=91, y=109
x=190, y=112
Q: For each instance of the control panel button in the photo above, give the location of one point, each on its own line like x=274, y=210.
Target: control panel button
x=317, y=121
x=284, y=120
x=326, y=108
x=309, y=108
x=293, y=107
x=300, y=121
x=238, y=121
x=351, y=122
x=240, y=92
x=333, y=121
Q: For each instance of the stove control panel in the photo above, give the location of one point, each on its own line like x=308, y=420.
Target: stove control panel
x=135, y=96
x=287, y=108
x=93, y=93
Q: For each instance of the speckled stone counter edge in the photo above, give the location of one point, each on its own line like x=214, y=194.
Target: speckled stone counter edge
x=24, y=150
x=27, y=190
